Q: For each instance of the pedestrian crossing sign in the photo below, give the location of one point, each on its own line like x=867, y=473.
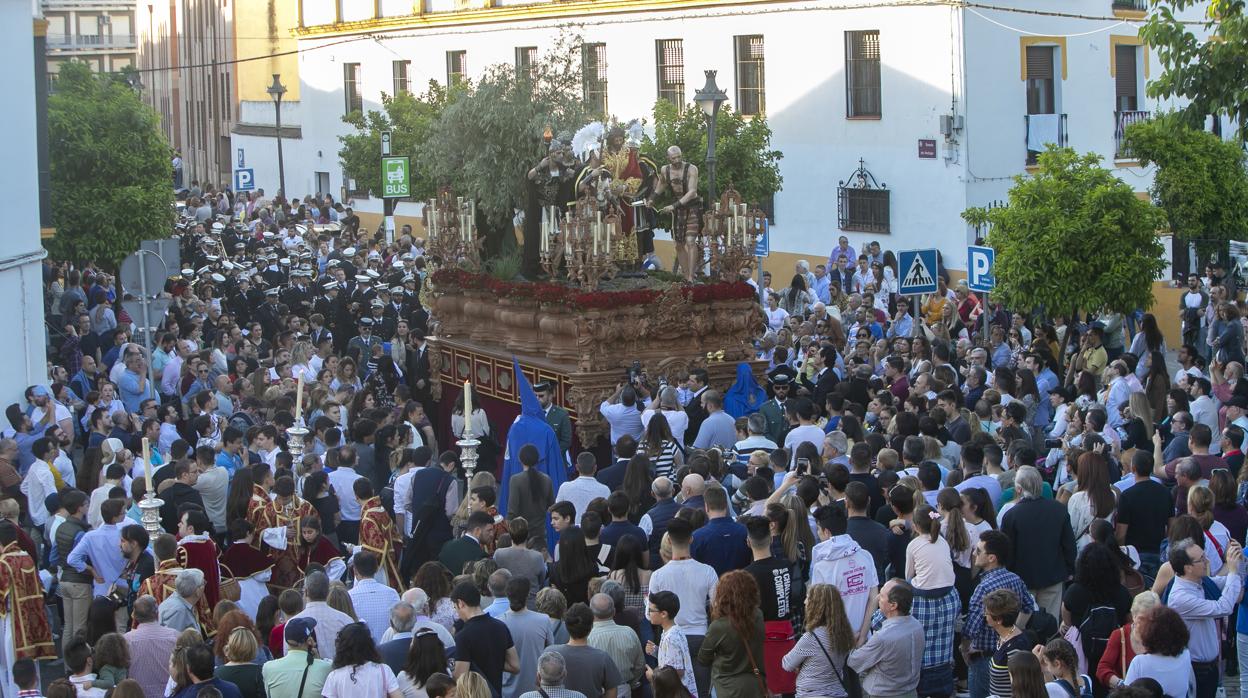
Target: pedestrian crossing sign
x=918, y=271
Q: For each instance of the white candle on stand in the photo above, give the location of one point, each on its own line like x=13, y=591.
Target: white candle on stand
x=299, y=399
x=147, y=465
x=467, y=409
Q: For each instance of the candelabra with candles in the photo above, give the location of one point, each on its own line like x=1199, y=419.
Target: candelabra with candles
x=149, y=506
x=452, y=224
x=588, y=243
x=730, y=233
x=551, y=249
x=468, y=444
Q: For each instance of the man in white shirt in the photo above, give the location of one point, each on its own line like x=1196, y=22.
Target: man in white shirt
x=42, y=399
x=403, y=490
x=584, y=489
x=328, y=620
x=342, y=480
x=623, y=413
x=801, y=414
x=39, y=481
x=371, y=599
x=694, y=583
x=1201, y=614
x=1204, y=408
x=172, y=376
x=838, y=560
x=213, y=485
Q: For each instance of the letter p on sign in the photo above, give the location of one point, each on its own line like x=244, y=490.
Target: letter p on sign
x=979, y=268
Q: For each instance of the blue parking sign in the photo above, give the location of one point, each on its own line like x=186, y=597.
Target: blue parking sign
x=244, y=180
x=762, y=247
x=980, y=274
x=918, y=271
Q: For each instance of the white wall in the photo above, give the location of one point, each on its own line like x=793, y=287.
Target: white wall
x=20, y=271
x=935, y=61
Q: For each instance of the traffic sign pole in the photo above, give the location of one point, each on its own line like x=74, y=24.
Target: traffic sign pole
x=387, y=204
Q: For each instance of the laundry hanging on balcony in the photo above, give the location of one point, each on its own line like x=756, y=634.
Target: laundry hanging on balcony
x=1043, y=129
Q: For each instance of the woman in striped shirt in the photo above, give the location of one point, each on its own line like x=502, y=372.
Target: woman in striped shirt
x=661, y=447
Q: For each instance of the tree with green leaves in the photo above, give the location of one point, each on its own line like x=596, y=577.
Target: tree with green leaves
x=744, y=157
x=1200, y=184
x=409, y=119
x=490, y=134
x=1210, y=73
x=112, y=185
x=1073, y=237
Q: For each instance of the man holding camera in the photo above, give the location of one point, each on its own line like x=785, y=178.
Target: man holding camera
x=300, y=673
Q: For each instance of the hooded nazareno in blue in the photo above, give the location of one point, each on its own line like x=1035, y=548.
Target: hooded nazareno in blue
x=746, y=395
x=531, y=428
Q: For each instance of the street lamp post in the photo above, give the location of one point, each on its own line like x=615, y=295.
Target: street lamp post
x=276, y=90
x=710, y=97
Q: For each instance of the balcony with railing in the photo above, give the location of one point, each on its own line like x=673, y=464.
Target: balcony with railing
x=1130, y=5
x=1123, y=119
x=90, y=42
x=1039, y=130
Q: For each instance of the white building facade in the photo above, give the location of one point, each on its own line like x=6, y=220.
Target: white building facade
x=100, y=33
x=936, y=102
x=21, y=271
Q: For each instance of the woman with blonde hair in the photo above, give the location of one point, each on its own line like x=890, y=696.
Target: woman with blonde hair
x=300, y=354
x=1121, y=648
x=1200, y=506
x=340, y=600
x=241, y=647
x=819, y=656
x=482, y=478
x=470, y=684
x=1139, y=425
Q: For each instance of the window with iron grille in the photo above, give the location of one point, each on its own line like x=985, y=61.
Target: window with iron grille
x=526, y=58
x=862, y=203
x=351, y=87
x=456, y=66
x=399, y=69
x=669, y=60
x=751, y=85
x=594, y=77
x=862, y=74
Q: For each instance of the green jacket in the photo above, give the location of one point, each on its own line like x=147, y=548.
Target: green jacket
x=777, y=423
x=459, y=552
x=558, y=419
x=732, y=673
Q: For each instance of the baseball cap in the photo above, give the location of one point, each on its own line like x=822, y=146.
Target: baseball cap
x=298, y=630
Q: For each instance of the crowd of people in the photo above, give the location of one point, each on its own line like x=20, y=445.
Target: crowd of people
x=923, y=500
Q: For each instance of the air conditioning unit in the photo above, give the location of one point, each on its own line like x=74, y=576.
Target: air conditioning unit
x=950, y=123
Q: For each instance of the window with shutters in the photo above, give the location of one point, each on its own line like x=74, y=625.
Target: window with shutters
x=351, y=87
x=399, y=69
x=669, y=60
x=751, y=85
x=1126, y=91
x=862, y=74
x=594, y=78
x=526, y=58
x=1040, y=97
x=456, y=66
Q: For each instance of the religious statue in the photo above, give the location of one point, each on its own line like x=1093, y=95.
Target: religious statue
x=550, y=183
x=622, y=180
x=681, y=178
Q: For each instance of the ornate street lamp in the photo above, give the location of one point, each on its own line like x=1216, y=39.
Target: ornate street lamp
x=709, y=98
x=276, y=90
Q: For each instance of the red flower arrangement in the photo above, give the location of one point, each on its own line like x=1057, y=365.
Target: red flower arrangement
x=570, y=297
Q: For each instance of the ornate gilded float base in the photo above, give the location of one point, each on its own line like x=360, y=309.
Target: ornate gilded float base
x=586, y=351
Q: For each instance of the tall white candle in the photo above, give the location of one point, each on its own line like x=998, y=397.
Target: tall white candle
x=467, y=409
x=299, y=399
x=147, y=465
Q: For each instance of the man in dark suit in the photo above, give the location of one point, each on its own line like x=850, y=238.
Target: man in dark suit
x=696, y=412
x=1042, y=528
x=417, y=370
x=394, y=651
x=470, y=547
x=613, y=475
x=825, y=377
